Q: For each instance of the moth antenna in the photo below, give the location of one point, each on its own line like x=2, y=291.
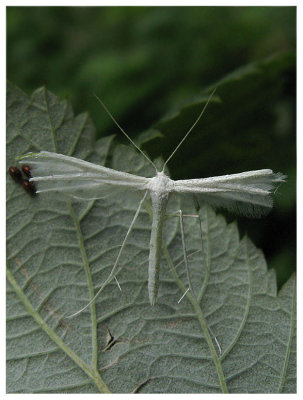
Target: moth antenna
x=191, y=128
x=123, y=131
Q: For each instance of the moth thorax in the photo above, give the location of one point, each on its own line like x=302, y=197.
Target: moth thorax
x=161, y=184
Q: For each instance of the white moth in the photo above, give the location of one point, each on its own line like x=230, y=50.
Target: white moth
x=248, y=192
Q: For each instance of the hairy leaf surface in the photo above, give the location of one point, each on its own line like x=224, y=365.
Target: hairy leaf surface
x=233, y=334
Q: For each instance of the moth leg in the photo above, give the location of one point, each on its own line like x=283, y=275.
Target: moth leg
x=197, y=207
x=177, y=214
x=190, y=287
x=180, y=215
x=215, y=339
x=118, y=284
x=183, y=295
x=115, y=267
x=206, y=264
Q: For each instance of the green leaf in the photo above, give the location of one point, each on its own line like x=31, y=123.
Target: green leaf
x=233, y=334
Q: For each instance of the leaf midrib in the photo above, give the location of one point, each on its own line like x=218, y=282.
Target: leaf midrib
x=92, y=373
x=201, y=320
x=90, y=285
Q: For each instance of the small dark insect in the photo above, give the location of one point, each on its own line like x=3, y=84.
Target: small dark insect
x=26, y=170
x=15, y=173
x=29, y=186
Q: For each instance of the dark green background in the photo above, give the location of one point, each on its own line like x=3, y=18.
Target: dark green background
x=148, y=62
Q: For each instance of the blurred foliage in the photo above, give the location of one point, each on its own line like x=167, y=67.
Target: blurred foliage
x=147, y=62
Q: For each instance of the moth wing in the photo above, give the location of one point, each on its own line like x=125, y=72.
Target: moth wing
x=52, y=172
x=248, y=193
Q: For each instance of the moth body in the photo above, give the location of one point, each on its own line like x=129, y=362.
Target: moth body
x=160, y=188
